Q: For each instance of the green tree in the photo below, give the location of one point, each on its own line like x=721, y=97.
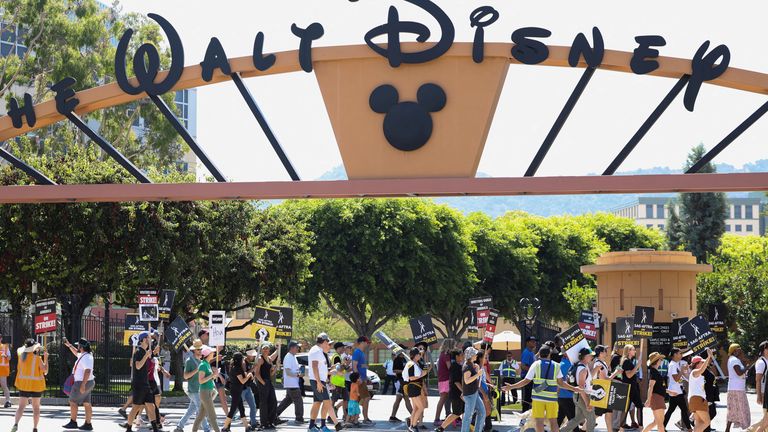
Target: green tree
x=378, y=259
x=702, y=214
x=740, y=280
x=674, y=230
x=620, y=233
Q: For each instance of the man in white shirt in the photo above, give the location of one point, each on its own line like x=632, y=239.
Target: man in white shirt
x=292, y=372
x=738, y=406
x=318, y=380
x=83, y=384
x=391, y=378
x=761, y=386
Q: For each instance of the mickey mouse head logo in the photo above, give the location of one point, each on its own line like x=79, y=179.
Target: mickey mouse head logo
x=407, y=125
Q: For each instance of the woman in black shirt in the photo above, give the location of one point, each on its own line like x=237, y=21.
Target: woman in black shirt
x=656, y=392
x=267, y=398
x=455, y=401
x=238, y=379
x=629, y=376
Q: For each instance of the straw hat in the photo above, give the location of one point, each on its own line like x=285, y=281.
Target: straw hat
x=733, y=348
x=197, y=344
x=654, y=357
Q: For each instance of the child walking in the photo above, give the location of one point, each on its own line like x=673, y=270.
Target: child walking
x=353, y=408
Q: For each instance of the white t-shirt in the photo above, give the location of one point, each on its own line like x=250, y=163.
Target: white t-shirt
x=416, y=371
x=316, y=354
x=674, y=386
x=532, y=371
x=85, y=361
x=735, y=382
x=696, y=388
x=290, y=364
x=761, y=368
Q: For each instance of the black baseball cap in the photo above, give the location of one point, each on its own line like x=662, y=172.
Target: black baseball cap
x=292, y=344
x=585, y=352
x=338, y=345
x=545, y=351
x=531, y=338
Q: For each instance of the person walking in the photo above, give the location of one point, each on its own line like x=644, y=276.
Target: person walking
x=360, y=365
x=413, y=375
x=509, y=370
x=142, y=397
x=390, y=379
x=353, y=408
x=238, y=378
x=656, y=392
x=83, y=384
x=156, y=371
x=266, y=370
x=546, y=376
x=738, y=406
x=341, y=365
x=5, y=370
x=250, y=390
x=713, y=393
x=527, y=360
x=601, y=370
x=455, y=399
x=318, y=379
x=761, y=386
x=566, y=407
x=206, y=375
x=31, y=369
x=292, y=372
x=443, y=379
x=584, y=412
x=398, y=366
x=191, y=366
x=629, y=370
x=697, y=394
x=677, y=399
x=473, y=404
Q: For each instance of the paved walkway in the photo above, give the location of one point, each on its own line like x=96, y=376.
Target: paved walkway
x=107, y=418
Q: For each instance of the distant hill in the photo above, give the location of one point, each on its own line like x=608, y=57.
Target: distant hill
x=565, y=204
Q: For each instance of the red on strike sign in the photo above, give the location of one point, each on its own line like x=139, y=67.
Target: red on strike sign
x=148, y=297
x=45, y=323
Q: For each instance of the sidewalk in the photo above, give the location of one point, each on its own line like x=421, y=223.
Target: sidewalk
x=107, y=418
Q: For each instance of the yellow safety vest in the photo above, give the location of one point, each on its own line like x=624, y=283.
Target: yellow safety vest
x=337, y=380
x=29, y=375
x=545, y=387
x=5, y=361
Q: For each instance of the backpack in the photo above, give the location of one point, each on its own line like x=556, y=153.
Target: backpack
x=573, y=374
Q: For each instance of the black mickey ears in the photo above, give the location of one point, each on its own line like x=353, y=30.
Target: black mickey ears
x=384, y=98
x=431, y=97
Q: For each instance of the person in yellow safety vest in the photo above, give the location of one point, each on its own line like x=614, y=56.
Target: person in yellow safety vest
x=340, y=368
x=546, y=377
x=31, y=369
x=5, y=370
x=509, y=369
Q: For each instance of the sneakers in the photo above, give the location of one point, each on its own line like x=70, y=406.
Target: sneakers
x=368, y=422
x=395, y=420
x=280, y=421
x=15, y=428
x=325, y=429
x=86, y=427
x=123, y=413
x=71, y=425
x=8, y=404
x=439, y=429
x=338, y=426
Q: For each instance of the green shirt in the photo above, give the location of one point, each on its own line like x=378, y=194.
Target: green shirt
x=205, y=368
x=193, y=384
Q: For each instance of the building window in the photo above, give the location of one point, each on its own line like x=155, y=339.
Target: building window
x=738, y=228
x=649, y=225
x=748, y=212
x=749, y=228
x=181, y=98
x=737, y=212
x=661, y=227
x=727, y=228
x=661, y=298
x=621, y=299
x=649, y=211
x=11, y=41
x=659, y=211
x=383, y=355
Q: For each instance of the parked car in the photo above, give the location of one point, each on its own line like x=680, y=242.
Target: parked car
x=374, y=382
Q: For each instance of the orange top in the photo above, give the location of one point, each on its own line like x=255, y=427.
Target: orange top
x=354, y=392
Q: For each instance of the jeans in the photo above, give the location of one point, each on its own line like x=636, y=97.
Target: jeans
x=527, y=397
x=193, y=409
x=292, y=396
x=251, y=401
x=207, y=411
x=473, y=404
x=678, y=401
x=582, y=415
x=389, y=380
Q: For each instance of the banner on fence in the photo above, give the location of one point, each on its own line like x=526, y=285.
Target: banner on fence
x=698, y=334
x=284, y=325
x=573, y=342
x=264, y=325
x=167, y=297
x=423, y=330
x=643, y=322
x=178, y=334
x=217, y=328
x=490, y=326
x=717, y=316
x=46, y=316
x=678, y=337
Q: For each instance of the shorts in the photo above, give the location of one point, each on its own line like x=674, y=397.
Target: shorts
x=544, y=409
x=319, y=396
x=697, y=403
x=443, y=386
x=413, y=390
x=339, y=393
x=142, y=396
x=657, y=402
x=364, y=393
x=27, y=394
x=456, y=405
x=353, y=408
x=153, y=387
x=81, y=398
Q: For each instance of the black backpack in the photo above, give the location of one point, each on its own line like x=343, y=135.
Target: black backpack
x=573, y=373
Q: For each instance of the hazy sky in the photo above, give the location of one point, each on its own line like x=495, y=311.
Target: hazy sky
x=610, y=111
